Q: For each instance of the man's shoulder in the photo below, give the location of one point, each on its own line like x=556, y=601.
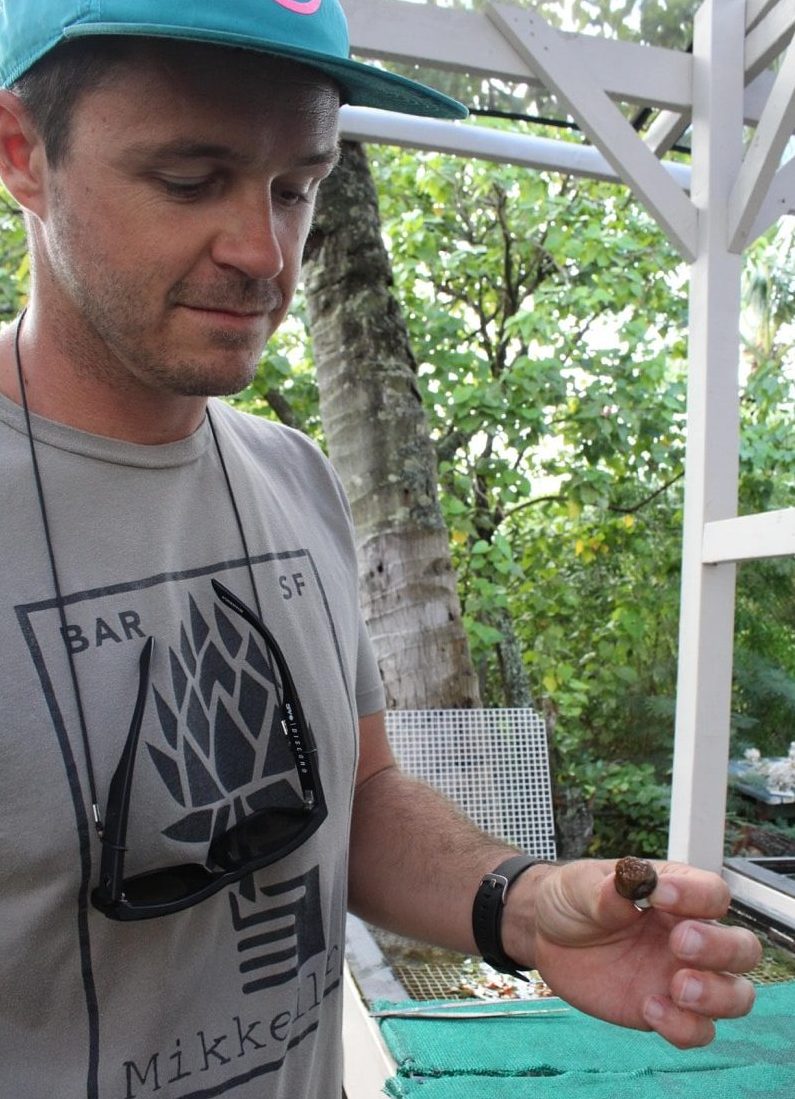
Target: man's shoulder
x=259, y=431
x=272, y=444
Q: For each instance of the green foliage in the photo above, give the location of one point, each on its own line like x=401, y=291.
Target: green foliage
x=659, y=22
x=764, y=676
x=631, y=808
x=548, y=318
x=764, y=697
x=598, y=611
x=13, y=258
x=558, y=405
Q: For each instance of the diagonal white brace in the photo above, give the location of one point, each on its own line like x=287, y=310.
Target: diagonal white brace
x=780, y=200
x=763, y=155
x=756, y=10
x=666, y=130
x=601, y=121
x=766, y=39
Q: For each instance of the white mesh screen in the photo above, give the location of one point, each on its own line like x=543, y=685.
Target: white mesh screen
x=492, y=763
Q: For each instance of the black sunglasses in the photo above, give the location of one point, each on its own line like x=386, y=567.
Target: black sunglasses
x=258, y=840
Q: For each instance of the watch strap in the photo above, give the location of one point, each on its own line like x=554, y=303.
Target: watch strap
x=487, y=912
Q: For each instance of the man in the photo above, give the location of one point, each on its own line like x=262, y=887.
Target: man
x=180, y=592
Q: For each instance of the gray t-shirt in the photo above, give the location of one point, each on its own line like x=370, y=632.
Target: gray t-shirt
x=241, y=995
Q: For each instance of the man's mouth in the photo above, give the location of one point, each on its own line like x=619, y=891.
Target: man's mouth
x=235, y=302
x=226, y=310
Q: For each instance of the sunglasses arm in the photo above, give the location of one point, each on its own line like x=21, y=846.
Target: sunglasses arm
x=294, y=724
x=114, y=835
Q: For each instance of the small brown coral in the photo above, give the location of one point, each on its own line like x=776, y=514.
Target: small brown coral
x=635, y=878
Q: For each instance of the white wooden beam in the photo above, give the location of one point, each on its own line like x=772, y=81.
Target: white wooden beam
x=703, y=709
x=499, y=146
x=780, y=200
x=760, y=897
x=665, y=131
x=367, y=1063
x=762, y=47
x=466, y=41
x=601, y=121
x=770, y=534
x=757, y=94
x=764, y=155
x=755, y=10
x=768, y=37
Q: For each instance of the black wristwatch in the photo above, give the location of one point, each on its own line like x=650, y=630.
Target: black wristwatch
x=487, y=912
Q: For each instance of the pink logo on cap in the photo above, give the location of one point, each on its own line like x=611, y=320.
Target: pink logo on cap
x=301, y=7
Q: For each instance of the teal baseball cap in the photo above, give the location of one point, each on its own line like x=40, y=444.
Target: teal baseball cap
x=314, y=32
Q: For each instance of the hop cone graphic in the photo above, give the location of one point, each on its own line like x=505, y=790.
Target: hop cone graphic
x=223, y=754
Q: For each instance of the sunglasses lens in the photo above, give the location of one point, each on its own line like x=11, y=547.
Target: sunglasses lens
x=256, y=842
x=266, y=834
x=168, y=885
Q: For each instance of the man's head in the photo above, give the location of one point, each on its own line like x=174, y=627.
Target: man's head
x=166, y=240
x=168, y=155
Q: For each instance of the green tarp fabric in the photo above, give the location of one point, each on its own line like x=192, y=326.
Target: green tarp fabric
x=513, y=1056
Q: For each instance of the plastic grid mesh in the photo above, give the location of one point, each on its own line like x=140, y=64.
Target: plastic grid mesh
x=492, y=763
x=431, y=982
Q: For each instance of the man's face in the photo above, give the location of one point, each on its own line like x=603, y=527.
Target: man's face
x=174, y=228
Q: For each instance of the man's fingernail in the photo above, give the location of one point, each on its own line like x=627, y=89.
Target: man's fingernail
x=691, y=944
x=653, y=1010
x=691, y=991
x=665, y=895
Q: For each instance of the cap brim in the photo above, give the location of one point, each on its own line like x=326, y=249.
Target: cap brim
x=361, y=85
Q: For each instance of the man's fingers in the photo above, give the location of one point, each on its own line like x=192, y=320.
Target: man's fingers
x=715, y=947
x=680, y=891
x=716, y=995
x=681, y=1028
x=697, y=999
x=688, y=891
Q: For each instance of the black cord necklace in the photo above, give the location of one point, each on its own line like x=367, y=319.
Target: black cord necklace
x=54, y=567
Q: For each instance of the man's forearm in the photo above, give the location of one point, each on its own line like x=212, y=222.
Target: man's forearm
x=416, y=862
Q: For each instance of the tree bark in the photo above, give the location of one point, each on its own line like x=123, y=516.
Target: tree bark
x=379, y=442
x=513, y=673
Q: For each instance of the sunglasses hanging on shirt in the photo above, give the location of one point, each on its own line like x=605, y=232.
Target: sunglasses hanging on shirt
x=256, y=841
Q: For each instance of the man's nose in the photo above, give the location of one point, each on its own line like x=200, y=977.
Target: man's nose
x=248, y=239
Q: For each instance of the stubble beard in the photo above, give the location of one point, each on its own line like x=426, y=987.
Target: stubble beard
x=130, y=354
x=113, y=342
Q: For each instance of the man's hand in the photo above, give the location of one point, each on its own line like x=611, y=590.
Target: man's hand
x=668, y=968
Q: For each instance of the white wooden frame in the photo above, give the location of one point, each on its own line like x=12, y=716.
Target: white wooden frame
x=368, y=1064
x=710, y=213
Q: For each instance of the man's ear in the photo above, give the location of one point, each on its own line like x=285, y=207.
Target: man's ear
x=23, y=161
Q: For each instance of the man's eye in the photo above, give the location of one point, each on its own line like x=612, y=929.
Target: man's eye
x=185, y=189
x=290, y=196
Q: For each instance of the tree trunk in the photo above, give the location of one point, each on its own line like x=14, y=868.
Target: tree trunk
x=513, y=673
x=574, y=819
x=378, y=440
